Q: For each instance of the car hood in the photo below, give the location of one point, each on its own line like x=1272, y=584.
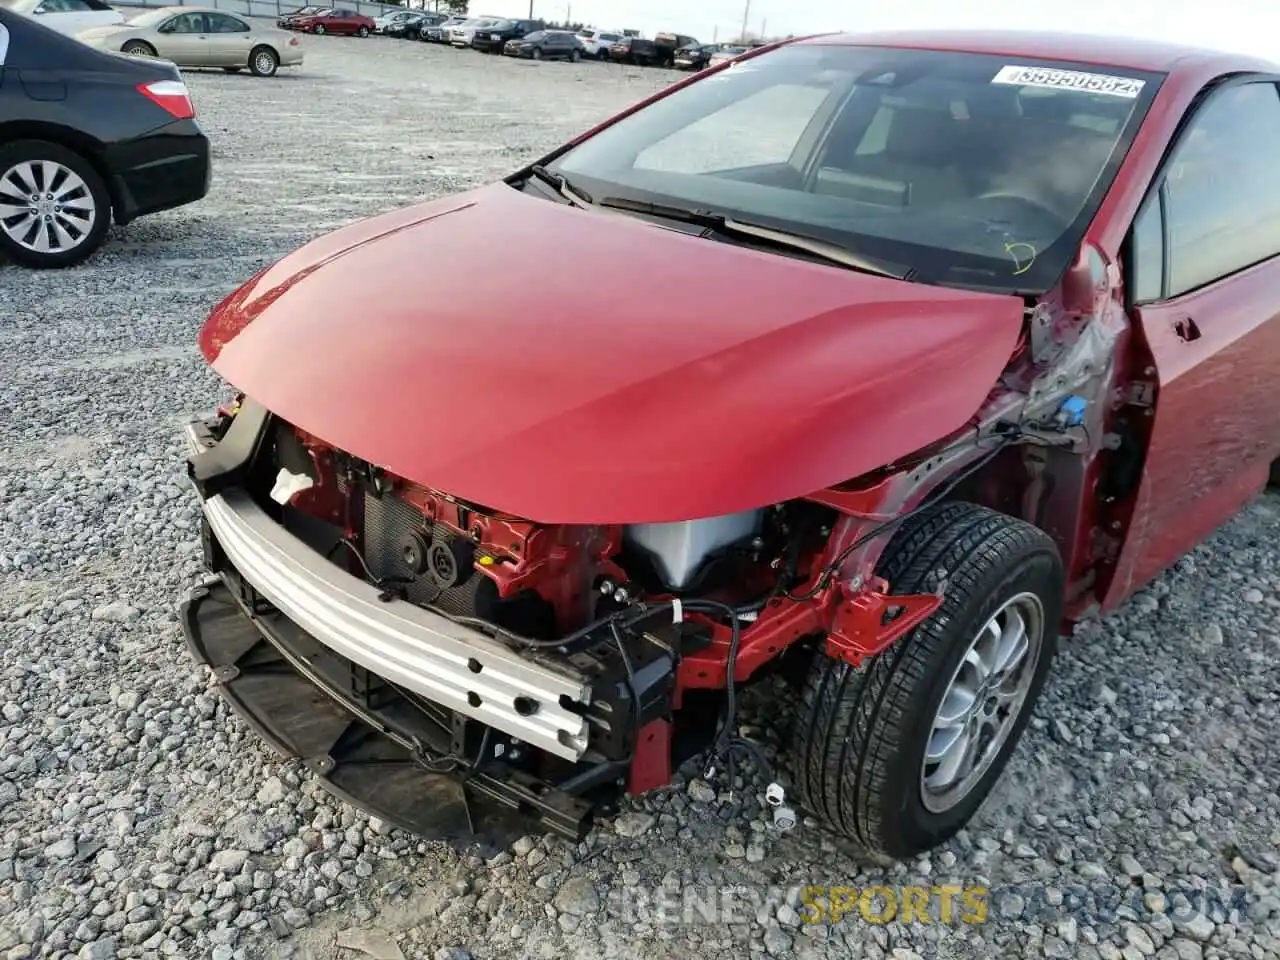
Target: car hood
x=581, y=367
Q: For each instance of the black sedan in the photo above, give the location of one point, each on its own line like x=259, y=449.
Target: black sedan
x=546, y=45
x=85, y=137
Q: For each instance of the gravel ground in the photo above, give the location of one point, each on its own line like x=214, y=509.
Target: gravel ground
x=138, y=817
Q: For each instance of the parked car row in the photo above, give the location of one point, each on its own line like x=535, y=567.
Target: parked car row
x=533, y=39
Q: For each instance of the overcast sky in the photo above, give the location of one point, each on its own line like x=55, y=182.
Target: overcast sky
x=1249, y=26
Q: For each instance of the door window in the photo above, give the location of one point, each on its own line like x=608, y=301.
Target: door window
x=1222, y=189
x=221, y=23
x=185, y=23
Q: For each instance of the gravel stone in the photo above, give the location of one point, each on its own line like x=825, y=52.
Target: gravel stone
x=578, y=897
x=1198, y=928
x=633, y=824
x=229, y=861
x=140, y=817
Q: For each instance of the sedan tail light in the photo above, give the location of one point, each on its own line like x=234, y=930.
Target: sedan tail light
x=170, y=94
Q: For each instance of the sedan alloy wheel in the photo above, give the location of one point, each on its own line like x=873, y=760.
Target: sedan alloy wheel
x=54, y=208
x=264, y=62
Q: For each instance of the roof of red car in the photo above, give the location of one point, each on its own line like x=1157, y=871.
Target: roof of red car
x=1045, y=45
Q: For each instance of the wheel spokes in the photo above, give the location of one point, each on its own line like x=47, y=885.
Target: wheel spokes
x=1013, y=645
x=979, y=707
x=956, y=707
x=949, y=754
x=45, y=207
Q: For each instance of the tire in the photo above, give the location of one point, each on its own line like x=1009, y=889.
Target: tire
x=84, y=217
x=575, y=56
x=362, y=32
x=263, y=62
x=319, y=30
x=861, y=735
x=138, y=48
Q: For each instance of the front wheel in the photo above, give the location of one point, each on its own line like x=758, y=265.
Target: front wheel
x=319, y=30
x=137, y=48
x=537, y=53
x=899, y=753
x=575, y=56
x=54, y=207
x=362, y=32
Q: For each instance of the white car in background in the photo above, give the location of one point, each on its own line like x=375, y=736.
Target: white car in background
x=462, y=34
x=596, y=43
x=66, y=16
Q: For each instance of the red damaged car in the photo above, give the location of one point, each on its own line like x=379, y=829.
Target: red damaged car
x=996, y=339
x=339, y=21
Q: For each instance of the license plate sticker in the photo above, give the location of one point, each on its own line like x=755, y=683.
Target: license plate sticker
x=1052, y=79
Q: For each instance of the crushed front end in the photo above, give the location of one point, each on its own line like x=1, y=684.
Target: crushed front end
x=452, y=670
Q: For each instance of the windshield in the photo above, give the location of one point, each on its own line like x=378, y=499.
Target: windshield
x=978, y=171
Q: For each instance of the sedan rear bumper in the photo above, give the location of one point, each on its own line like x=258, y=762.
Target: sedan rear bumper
x=167, y=168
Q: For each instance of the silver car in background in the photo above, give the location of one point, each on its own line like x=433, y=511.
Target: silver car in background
x=201, y=37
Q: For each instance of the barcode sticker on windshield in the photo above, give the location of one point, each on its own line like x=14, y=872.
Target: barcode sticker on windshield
x=1126, y=87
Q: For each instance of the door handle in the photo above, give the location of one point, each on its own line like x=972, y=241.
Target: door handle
x=1186, y=329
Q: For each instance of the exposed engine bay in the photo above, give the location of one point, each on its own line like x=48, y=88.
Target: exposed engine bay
x=645, y=618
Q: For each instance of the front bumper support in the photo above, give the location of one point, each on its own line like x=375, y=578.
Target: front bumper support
x=426, y=653
x=284, y=684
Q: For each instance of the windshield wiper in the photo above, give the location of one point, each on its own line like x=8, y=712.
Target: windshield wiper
x=823, y=250
x=578, y=198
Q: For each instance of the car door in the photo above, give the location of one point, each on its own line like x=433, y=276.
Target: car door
x=183, y=39
x=230, y=40
x=1204, y=287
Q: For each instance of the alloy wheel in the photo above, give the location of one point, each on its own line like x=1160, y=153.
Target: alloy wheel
x=982, y=702
x=264, y=63
x=45, y=207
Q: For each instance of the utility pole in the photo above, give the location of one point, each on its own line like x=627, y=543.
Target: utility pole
x=746, y=15
x=764, y=28
x=530, y=9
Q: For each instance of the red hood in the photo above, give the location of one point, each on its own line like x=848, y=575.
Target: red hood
x=573, y=367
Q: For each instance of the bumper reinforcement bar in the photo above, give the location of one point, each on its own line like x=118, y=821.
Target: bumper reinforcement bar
x=445, y=662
